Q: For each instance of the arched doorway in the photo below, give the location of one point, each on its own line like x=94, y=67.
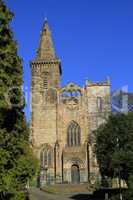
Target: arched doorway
x=75, y=174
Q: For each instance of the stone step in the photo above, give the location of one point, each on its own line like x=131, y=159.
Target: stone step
x=67, y=188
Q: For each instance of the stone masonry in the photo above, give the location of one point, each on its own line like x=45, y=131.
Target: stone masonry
x=63, y=119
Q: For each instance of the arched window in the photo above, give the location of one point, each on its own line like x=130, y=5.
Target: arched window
x=73, y=134
x=46, y=158
x=99, y=103
x=49, y=157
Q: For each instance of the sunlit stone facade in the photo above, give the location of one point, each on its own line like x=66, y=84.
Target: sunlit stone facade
x=63, y=119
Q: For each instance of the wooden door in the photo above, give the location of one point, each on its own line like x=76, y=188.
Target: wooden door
x=75, y=174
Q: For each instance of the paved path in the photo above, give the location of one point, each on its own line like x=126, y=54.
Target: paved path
x=39, y=195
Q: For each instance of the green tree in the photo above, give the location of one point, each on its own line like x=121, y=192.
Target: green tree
x=114, y=147
x=17, y=164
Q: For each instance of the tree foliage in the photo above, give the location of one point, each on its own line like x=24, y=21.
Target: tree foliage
x=17, y=163
x=114, y=147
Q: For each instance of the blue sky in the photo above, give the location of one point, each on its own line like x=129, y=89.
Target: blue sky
x=93, y=38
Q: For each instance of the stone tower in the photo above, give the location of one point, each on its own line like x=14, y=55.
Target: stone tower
x=46, y=72
x=63, y=119
x=47, y=60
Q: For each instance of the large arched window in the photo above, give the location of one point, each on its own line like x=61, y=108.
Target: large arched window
x=46, y=158
x=73, y=134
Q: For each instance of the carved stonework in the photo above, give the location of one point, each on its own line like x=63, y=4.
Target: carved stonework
x=71, y=103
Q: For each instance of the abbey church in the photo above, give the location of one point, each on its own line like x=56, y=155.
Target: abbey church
x=63, y=119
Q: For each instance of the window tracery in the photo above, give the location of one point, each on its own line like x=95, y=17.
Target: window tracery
x=73, y=134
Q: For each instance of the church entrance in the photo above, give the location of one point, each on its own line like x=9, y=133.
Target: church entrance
x=75, y=174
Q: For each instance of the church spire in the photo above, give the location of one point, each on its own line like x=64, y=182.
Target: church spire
x=46, y=49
